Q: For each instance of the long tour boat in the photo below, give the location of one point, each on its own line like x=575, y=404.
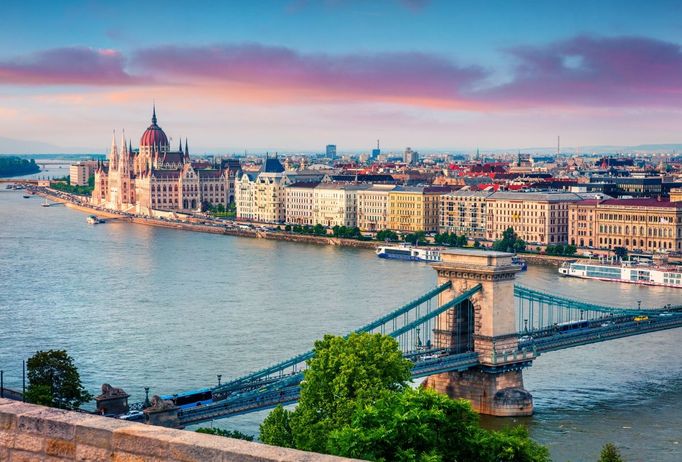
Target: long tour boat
x=626, y=271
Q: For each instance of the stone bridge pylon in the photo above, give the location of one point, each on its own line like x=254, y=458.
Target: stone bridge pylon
x=485, y=324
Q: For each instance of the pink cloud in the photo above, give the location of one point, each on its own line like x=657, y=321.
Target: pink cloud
x=592, y=71
x=582, y=73
x=67, y=66
x=380, y=76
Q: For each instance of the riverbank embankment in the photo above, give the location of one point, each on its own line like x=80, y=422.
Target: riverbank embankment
x=212, y=228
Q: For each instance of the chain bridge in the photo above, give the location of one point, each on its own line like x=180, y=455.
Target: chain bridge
x=470, y=337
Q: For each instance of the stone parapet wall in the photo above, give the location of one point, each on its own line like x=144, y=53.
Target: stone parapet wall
x=36, y=433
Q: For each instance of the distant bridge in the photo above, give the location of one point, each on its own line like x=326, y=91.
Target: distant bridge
x=471, y=337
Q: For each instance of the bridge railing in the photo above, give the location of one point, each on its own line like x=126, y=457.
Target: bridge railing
x=539, y=312
x=386, y=323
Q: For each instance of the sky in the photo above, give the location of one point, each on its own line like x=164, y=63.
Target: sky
x=287, y=75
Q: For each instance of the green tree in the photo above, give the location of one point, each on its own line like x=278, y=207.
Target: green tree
x=319, y=230
x=226, y=433
x=344, y=373
x=509, y=445
x=621, y=252
x=54, y=381
x=610, y=453
x=510, y=242
x=387, y=235
x=276, y=428
x=417, y=238
x=412, y=425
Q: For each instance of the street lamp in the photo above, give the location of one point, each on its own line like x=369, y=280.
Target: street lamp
x=220, y=376
x=146, y=397
x=525, y=323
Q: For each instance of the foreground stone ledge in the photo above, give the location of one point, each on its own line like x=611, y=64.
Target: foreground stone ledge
x=36, y=433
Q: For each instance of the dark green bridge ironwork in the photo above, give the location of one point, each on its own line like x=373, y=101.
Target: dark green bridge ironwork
x=545, y=323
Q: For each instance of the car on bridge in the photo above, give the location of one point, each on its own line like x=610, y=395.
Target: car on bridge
x=641, y=318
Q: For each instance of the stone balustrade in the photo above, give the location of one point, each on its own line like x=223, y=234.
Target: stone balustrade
x=37, y=433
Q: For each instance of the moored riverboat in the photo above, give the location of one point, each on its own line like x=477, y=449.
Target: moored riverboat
x=408, y=253
x=629, y=272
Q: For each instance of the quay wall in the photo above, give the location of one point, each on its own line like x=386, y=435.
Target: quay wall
x=197, y=227
x=37, y=433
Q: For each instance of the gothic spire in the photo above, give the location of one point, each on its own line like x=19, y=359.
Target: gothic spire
x=154, y=113
x=186, y=148
x=180, y=145
x=124, y=145
x=113, y=145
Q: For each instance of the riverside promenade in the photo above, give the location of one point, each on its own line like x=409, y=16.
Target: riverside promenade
x=203, y=225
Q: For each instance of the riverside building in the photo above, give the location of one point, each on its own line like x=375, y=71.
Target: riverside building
x=464, y=212
x=299, y=202
x=537, y=218
x=414, y=208
x=335, y=204
x=261, y=196
x=155, y=178
x=642, y=224
x=373, y=207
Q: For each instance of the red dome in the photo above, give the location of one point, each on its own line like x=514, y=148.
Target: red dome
x=154, y=135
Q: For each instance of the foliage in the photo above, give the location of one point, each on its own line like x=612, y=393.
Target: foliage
x=317, y=230
x=276, y=428
x=54, y=381
x=387, y=235
x=344, y=373
x=565, y=250
x=412, y=425
x=347, y=232
x=610, y=453
x=509, y=445
x=15, y=166
x=451, y=239
x=73, y=189
x=226, y=433
x=510, y=242
x=355, y=402
x=418, y=238
x=621, y=252
x=477, y=244
x=220, y=211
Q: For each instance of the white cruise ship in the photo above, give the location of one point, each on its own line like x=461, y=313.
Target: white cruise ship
x=407, y=252
x=630, y=272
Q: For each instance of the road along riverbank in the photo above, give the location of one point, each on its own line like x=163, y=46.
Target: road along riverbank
x=216, y=228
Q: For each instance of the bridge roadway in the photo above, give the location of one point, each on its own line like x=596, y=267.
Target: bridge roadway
x=286, y=389
x=600, y=331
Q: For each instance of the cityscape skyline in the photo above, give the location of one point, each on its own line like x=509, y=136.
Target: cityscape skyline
x=290, y=75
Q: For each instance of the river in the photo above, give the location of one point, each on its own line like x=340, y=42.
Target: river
x=136, y=305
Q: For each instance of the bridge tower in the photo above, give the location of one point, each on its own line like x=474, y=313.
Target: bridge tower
x=485, y=324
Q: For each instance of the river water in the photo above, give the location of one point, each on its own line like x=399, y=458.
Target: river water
x=137, y=305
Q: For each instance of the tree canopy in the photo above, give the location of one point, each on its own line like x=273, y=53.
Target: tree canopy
x=610, y=453
x=510, y=242
x=356, y=402
x=54, y=381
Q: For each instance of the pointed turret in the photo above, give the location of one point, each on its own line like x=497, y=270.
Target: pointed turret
x=154, y=113
x=186, y=150
x=180, y=145
x=124, y=145
x=113, y=152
